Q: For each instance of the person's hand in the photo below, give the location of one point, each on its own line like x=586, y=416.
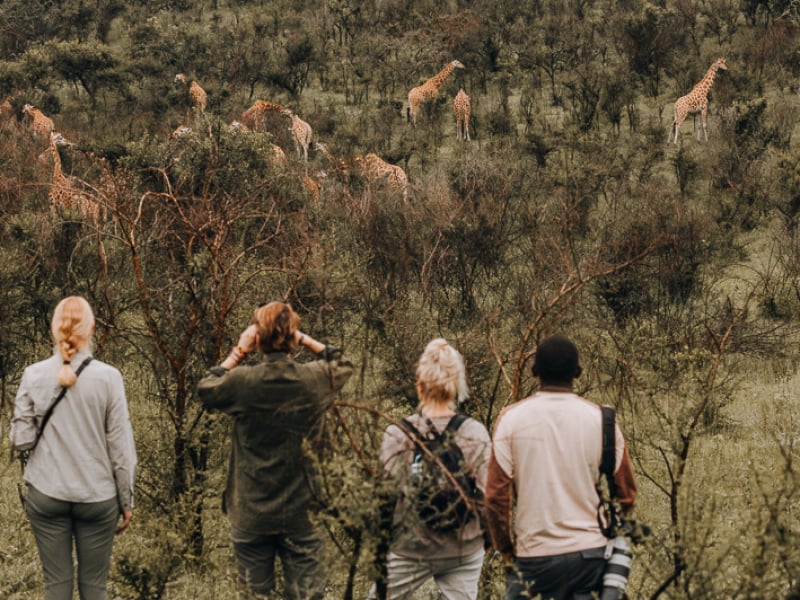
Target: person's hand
x=126, y=520
x=247, y=340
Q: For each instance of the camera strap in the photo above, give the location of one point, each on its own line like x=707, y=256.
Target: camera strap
x=608, y=461
x=52, y=407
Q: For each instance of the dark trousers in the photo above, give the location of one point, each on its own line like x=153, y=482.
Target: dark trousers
x=572, y=576
x=302, y=562
x=55, y=525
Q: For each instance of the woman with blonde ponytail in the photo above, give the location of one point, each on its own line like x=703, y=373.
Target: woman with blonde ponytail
x=80, y=472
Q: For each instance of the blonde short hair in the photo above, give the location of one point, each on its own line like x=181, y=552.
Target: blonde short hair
x=72, y=328
x=441, y=376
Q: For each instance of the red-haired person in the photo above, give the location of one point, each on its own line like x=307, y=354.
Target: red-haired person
x=82, y=463
x=276, y=405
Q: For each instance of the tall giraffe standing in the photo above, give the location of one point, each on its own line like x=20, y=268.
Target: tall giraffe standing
x=428, y=90
x=462, y=109
x=301, y=132
x=40, y=123
x=70, y=192
x=697, y=99
x=254, y=116
x=373, y=167
x=196, y=93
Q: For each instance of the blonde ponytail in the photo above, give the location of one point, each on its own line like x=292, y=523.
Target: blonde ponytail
x=72, y=328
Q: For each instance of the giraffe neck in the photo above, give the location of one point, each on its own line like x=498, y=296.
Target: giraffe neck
x=438, y=79
x=707, y=81
x=57, y=173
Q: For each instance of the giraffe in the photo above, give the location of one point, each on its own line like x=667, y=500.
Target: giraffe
x=70, y=192
x=697, y=99
x=301, y=132
x=428, y=90
x=7, y=106
x=254, y=116
x=41, y=124
x=181, y=131
x=311, y=186
x=196, y=93
x=278, y=156
x=462, y=109
x=238, y=126
x=373, y=167
x=336, y=164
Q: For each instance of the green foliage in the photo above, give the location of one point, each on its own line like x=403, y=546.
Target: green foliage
x=675, y=267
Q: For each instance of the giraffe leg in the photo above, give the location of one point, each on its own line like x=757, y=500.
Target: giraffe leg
x=703, y=119
x=466, y=128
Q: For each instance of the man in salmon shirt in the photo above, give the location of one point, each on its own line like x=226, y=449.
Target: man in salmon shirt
x=545, y=464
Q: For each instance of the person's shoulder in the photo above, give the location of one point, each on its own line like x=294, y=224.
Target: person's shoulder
x=472, y=427
x=101, y=373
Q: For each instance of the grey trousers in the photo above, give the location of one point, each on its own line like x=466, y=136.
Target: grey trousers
x=456, y=577
x=302, y=562
x=55, y=524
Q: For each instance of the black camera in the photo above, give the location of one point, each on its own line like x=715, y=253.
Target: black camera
x=618, y=566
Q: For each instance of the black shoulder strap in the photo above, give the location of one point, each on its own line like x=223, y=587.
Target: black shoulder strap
x=408, y=426
x=52, y=407
x=452, y=426
x=456, y=422
x=609, y=457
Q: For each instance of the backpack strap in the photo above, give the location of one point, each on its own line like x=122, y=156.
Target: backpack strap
x=408, y=426
x=456, y=422
x=452, y=426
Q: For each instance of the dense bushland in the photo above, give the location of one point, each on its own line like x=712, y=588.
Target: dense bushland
x=675, y=267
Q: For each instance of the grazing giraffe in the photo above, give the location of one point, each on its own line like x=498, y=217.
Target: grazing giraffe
x=697, y=99
x=278, y=156
x=335, y=164
x=6, y=109
x=462, y=109
x=238, y=126
x=301, y=132
x=428, y=90
x=254, y=116
x=40, y=123
x=181, y=131
x=196, y=93
x=311, y=186
x=70, y=192
x=373, y=167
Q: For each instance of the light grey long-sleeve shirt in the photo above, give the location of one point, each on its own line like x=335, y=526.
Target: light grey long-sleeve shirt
x=86, y=452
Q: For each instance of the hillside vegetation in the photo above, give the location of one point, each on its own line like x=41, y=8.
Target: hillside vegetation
x=674, y=266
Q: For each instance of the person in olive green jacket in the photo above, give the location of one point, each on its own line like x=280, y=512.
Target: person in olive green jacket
x=276, y=404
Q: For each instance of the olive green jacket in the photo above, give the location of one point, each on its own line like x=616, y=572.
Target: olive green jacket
x=275, y=405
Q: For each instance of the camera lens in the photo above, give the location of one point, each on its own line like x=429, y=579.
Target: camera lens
x=618, y=567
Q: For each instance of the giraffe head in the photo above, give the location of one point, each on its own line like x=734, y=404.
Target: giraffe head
x=59, y=140
x=720, y=64
x=180, y=78
x=457, y=64
x=27, y=108
x=181, y=132
x=287, y=112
